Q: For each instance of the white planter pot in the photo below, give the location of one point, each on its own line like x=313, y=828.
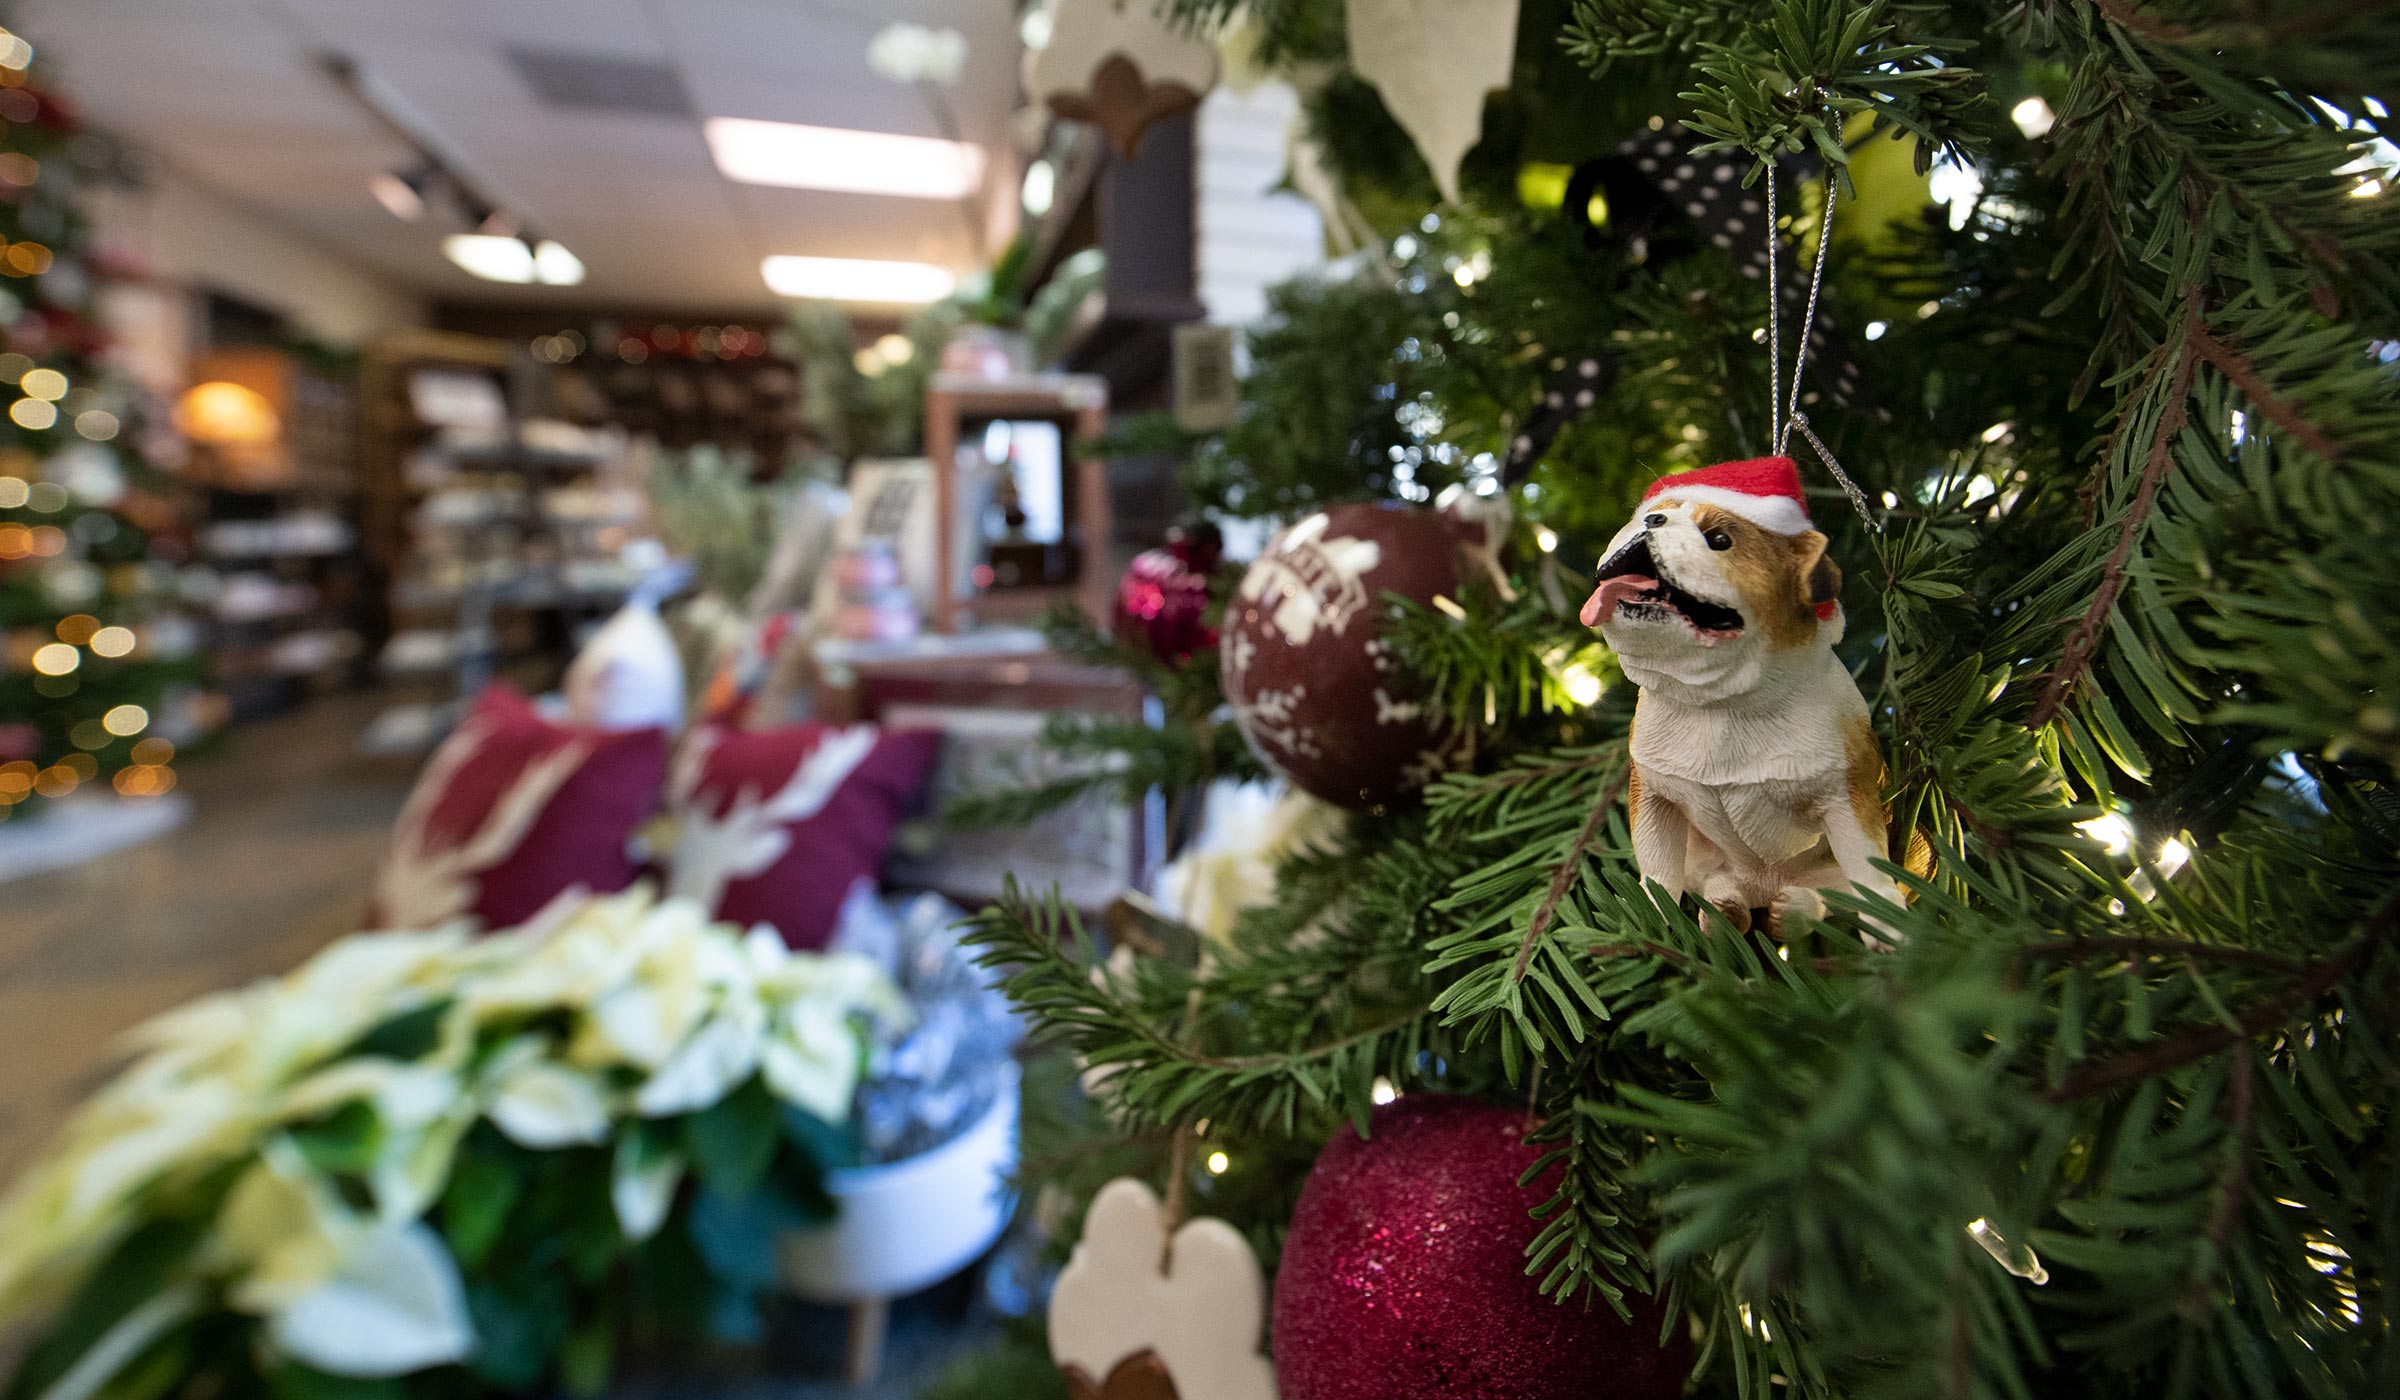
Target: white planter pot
x=909, y=1224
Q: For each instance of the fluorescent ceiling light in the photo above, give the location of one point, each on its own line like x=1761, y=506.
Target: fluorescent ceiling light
x=497, y=259
x=554, y=266
x=858, y=279
x=828, y=158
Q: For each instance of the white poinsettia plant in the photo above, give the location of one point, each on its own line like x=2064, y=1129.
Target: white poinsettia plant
x=414, y=1138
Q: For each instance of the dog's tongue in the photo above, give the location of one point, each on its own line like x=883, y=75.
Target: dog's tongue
x=1602, y=605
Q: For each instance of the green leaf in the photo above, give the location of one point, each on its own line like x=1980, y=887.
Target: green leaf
x=589, y=1358
x=485, y=1185
x=344, y=1142
x=292, y=1381
x=731, y=1142
x=520, y=1324
x=409, y=1036
x=141, y=1267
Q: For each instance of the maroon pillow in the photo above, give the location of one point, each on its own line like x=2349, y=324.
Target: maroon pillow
x=775, y=826
x=512, y=810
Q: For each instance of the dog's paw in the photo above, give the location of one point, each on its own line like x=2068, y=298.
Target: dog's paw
x=1723, y=893
x=1879, y=936
x=1794, y=907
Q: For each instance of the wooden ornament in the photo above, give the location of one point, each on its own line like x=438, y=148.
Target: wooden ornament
x=1159, y=1318
x=1433, y=61
x=1114, y=64
x=1141, y=1376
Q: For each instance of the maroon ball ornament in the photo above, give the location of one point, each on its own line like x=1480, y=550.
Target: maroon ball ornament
x=1314, y=684
x=1403, y=1277
x=1162, y=601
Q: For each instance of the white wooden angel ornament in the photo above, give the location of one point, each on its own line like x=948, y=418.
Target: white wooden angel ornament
x=1756, y=778
x=1138, y=1315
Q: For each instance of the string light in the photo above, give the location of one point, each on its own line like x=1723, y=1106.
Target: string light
x=2017, y=1259
x=112, y=641
x=1582, y=685
x=76, y=629
x=36, y=414
x=14, y=491
x=1217, y=1163
x=125, y=721
x=56, y=659
x=44, y=384
x=1383, y=1092
x=2113, y=832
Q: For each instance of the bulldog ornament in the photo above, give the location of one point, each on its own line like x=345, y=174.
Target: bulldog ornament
x=1756, y=778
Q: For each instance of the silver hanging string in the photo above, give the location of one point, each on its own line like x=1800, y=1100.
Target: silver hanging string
x=1785, y=415
x=1774, y=321
x=1808, y=317
x=1858, y=498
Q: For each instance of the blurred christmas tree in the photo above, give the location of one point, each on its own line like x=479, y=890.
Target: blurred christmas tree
x=2115, y=1118
x=99, y=669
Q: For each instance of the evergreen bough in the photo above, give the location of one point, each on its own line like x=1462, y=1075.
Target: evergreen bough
x=2116, y=1119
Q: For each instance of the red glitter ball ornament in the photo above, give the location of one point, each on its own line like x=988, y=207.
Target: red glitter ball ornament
x=1403, y=1277
x=1162, y=601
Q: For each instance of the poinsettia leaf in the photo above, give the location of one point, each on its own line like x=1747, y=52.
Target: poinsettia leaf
x=484, y=1189
x=408, y=1037
x=136, y=1271
x=732, y=1142
x=520, y=1323
x=344, y=1142
x=293, y=1381
x=589, y=1357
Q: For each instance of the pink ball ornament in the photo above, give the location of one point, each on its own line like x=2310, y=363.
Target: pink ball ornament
x=1162, y=601
x=1403, y=1277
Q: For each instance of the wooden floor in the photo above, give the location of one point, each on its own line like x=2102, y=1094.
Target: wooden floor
x=277, y=859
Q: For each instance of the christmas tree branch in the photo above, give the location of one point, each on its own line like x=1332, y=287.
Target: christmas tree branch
x=2234, y=365
x=2175, y=1051
x=1569, y=868
x=2084, y=640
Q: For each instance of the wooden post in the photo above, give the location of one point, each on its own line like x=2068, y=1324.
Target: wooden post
x=863, y=1358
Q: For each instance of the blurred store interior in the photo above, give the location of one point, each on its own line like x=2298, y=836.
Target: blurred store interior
x=472, y=399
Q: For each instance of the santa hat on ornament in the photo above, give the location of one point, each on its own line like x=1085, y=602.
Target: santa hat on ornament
x=1764, y=491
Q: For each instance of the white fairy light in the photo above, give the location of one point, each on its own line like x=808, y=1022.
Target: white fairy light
x=1383, y=1092
x=2112, y=831
x=2034, y=117
x=1217, y=1163
x=2017, y=1259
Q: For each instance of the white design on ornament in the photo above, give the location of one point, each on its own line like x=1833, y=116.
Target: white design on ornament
x=1268, y=719
x=754, y=830
x=1390, y=711
x=423, y=884
x=1238, y=651
x=1312, y=582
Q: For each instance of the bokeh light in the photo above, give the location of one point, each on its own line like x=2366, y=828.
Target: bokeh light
x=56, y=659
x=112, y=641
x=125, y=721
